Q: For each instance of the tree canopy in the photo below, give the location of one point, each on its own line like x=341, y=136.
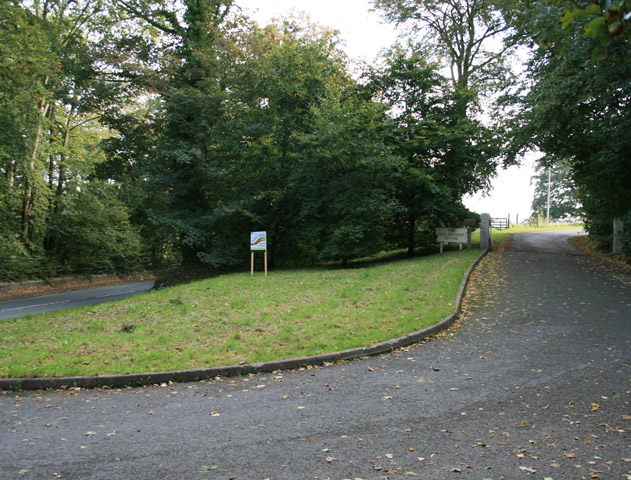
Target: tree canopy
x=556, y=178
x=139, y=133
x=574, y=102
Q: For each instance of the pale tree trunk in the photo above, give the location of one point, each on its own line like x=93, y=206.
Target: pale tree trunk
x=10, y=173
x=28, y=180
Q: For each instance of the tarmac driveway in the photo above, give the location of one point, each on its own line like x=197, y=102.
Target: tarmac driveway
x=535, y=383
x=74, y=298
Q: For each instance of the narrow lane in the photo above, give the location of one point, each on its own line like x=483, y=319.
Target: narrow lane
x=76, y=298
x=534, y=383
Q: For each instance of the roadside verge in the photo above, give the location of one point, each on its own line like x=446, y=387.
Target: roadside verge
x=118, y=381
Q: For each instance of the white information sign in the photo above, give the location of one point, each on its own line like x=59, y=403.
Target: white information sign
x=451, y=235
x=258, y=241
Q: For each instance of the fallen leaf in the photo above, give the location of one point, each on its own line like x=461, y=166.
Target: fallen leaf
x=528, y=469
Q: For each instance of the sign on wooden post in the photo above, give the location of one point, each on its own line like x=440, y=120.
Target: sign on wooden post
x=453, y=235
x=258, y=242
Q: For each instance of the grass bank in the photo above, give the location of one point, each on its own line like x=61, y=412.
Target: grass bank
x=237, y=318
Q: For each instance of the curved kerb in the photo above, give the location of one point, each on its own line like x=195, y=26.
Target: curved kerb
x=138, y=379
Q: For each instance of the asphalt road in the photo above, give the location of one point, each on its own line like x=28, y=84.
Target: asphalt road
x=78, y=298
x=535, y=383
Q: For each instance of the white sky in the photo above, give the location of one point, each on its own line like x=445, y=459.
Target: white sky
x=365, y=34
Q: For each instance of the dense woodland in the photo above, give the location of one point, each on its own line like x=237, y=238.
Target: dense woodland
x=145, y=134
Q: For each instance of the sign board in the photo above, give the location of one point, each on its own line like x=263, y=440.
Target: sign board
x=453, y=235
x=470, y=222
x=258, y=241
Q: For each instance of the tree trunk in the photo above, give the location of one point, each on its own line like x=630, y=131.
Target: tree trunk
x=61, y=179
x=272, y=248
x=411, y=232
x=28, y=176
x=51, y=156
x=10, y=173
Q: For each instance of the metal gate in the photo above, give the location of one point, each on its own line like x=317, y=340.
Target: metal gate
x=499, y=223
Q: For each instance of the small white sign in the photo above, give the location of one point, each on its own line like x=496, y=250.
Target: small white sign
x=258, y=241
x=453, y=235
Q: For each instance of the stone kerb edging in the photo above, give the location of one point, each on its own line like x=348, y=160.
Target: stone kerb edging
x=138, y=379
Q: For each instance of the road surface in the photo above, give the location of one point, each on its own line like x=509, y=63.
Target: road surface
x=77, y=298
x=535, y=383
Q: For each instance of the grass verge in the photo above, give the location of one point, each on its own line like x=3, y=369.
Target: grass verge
x=237, y=318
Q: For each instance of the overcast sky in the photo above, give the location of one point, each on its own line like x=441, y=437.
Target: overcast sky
x=365, y=34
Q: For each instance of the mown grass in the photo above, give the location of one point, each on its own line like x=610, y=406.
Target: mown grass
x=237, y=318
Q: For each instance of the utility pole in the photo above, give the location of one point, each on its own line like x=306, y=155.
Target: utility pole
x=548, y=207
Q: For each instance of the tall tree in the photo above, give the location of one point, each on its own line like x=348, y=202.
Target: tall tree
x=54, y=96
x=345, y=186
x=299, y=63
x=445, y=154
x=574, y=106
x=555, y=177
x=463, y=33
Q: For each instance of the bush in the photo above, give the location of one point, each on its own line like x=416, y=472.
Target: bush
x=16, y=262
x=93, y=234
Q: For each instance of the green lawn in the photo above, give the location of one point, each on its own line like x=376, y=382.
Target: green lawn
x=237, y=318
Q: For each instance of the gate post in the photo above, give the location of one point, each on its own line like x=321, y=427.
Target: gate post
x=618, y=230
x=485, y=225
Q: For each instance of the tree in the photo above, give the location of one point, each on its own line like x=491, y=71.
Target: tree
x=173, y=153
x=298, y=66
x=462, y=34
x=573, y=106
x=445, y=155
x=563, y=203
x=607, y=21
x=345, y=186
x=50, y=106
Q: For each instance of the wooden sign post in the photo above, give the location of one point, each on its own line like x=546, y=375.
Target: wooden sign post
x=258, y=242
x=470, y=223
x=454, y=235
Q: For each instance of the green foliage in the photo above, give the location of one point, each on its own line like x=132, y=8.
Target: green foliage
x=347, y=196
x=444, y=153
x=461, y=33
x=575, y=108
x=141, y=131
x=17, y=262
x=93, y=233
x=51, y=96
x=563, y=202
x=604, y=22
